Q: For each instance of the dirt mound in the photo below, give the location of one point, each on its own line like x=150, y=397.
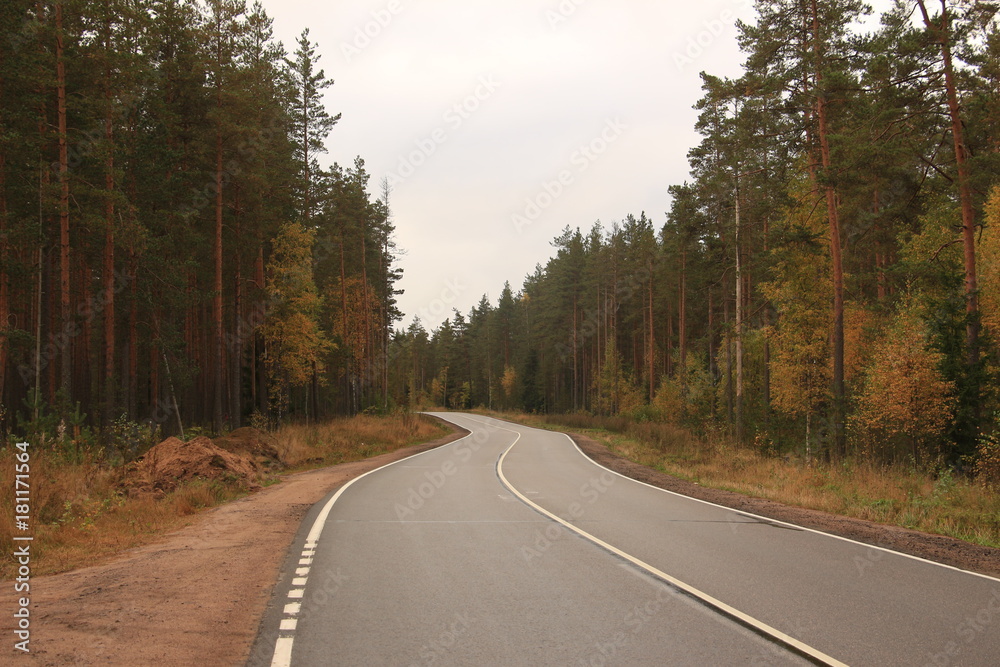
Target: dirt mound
x=173, y=461
x=260, y=446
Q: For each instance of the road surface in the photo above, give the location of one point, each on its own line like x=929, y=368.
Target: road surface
x=511, y=547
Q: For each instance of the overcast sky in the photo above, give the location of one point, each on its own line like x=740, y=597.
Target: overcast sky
x=500, y=123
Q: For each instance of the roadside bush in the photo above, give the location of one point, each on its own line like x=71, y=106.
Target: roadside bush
x=987, y=468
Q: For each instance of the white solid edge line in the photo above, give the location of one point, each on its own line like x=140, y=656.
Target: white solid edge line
x=732, y=612
x=283, y=645
x=758, y=516
x=785, y=523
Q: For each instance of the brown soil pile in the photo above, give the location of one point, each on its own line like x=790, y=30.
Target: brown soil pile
x=194, y=597
x=172, y=461
x=258, y=445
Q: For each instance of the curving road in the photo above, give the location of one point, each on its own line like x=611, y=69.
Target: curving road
x=511, y=547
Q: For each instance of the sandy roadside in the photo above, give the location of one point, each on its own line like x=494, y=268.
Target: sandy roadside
x=195, y=597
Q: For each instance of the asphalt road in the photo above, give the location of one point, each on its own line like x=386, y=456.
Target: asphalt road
x=510, y=547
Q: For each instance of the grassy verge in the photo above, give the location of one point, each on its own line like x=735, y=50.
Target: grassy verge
x=344, y=440
x=943, y=504
x=80, y=514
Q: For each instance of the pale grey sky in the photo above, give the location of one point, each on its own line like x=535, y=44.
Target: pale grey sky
x=502, y=122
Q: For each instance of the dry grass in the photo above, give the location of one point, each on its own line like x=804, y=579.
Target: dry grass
x=80, y=515
x=942, y=504
x=352, y=439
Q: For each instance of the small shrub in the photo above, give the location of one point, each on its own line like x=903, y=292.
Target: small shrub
x=987, y=469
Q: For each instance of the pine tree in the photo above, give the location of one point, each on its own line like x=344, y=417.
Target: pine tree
x=311, y=123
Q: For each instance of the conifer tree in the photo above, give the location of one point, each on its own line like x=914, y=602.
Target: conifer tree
x=311, y=123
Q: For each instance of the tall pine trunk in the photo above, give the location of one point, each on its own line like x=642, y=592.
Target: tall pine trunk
x=366, y=354
x=4, y=279
x=108, y=276
x=218, y=361
x=576, y=356
x=260, y=350
x=943, y=35
x=66, y=365
x=133, y=341
x=81, y=344
x=740, y=314
x=682, y=318
x=344, y=323
x=240, y=328
x=836, y=259
x=651, y=348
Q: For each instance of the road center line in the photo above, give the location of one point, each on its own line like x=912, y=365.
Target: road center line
x=746, y=620
x=776, y=522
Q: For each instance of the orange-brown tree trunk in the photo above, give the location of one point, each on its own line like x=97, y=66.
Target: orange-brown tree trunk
x=682, y=316
x=133, y=340
x=217, y=365
x=651, y=348
x=836, y=254
x=87, y=307
x=4, y=279
x=239, y=330
x=109, y=235
x=344, y=322
x=943, y=34
x=64, y=249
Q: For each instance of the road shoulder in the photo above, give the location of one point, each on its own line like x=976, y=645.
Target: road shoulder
x=194, y=597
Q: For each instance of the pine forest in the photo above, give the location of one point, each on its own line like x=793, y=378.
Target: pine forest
x=171, y=250
x=826, y=282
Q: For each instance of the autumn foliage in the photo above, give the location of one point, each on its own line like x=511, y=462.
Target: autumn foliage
x=904, y=399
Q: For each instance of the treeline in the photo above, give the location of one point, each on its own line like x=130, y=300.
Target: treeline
x=170, y=249
x=826, y=283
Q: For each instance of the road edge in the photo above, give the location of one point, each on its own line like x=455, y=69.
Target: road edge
x=939, y=549
x=261, y=651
